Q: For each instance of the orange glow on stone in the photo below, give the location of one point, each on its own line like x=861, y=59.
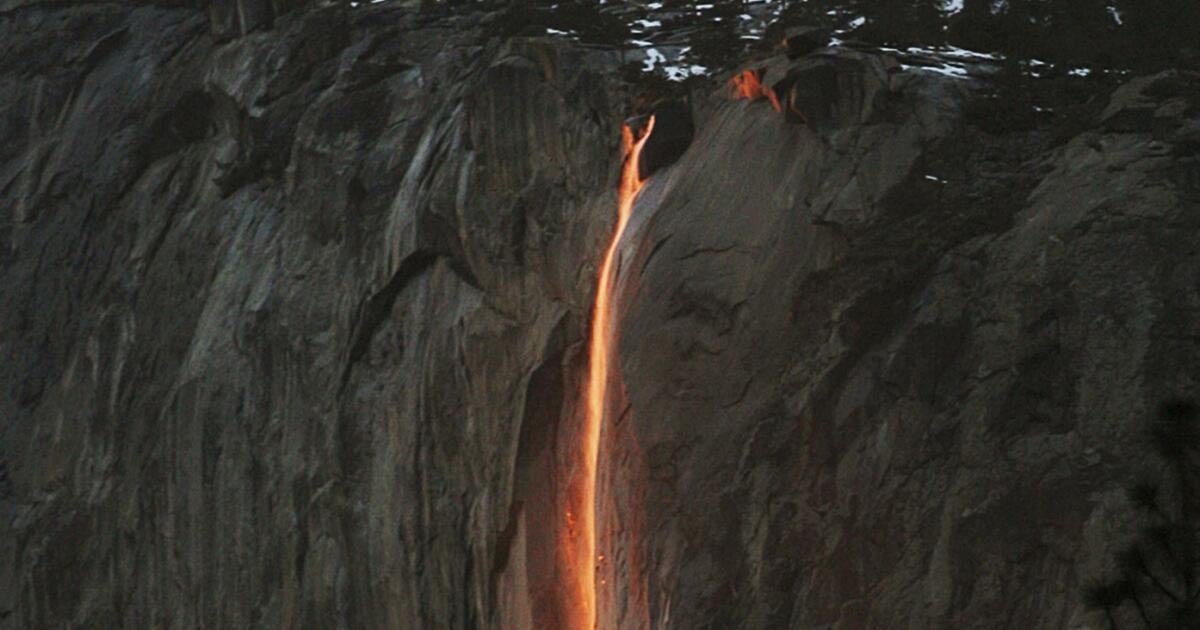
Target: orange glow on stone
x=748, y=85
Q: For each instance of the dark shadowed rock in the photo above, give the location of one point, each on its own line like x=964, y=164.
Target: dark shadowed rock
x=1154, y=103
x=833, y=92
x=673, y=131
x=234, y=18
x=292, y=330
x=800, y=41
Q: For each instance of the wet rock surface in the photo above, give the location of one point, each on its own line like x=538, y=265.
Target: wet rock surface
x=294, y=310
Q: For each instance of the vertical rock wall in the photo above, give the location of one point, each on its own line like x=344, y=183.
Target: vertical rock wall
x=890, y=371
x=291, y=322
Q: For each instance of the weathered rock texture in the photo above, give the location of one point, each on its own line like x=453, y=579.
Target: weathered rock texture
x=292, y=317
x=888, y=380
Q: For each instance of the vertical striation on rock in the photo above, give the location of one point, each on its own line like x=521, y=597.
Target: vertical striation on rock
x=288, y=316
x=293, y=308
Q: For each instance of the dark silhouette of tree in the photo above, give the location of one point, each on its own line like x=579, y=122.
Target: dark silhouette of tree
x=1160, y=33
x=1141, y=35
x=1156, y=585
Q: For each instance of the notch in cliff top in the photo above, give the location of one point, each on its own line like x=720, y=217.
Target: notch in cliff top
x=673, y=132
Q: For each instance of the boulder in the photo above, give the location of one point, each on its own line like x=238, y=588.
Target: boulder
x=832, y=92
x=802, y=40
x=673, y=131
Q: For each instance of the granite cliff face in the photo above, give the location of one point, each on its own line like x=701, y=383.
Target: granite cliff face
x=293, y=317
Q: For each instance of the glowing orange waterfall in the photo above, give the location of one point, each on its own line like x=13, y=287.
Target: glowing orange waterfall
x=599, y=353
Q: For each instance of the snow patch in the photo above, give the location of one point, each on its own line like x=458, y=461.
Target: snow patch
x=653, y=58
